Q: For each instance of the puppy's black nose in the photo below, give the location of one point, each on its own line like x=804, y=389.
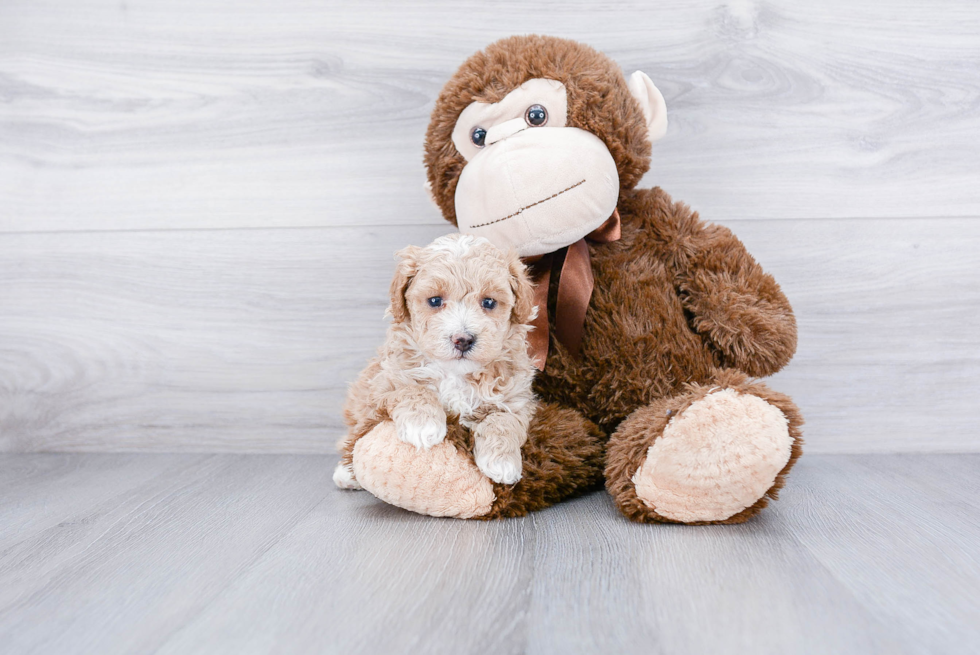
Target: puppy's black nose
x=463, y=342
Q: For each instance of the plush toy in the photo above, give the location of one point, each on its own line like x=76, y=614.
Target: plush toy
x=651, y=326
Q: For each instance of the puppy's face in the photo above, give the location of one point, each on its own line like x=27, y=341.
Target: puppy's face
x=461, y=298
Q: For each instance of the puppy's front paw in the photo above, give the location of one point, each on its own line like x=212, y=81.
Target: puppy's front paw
x=421, y=431
x=504, y=468
x=343, y=477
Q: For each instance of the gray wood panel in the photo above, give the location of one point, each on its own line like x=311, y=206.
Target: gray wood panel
x=258, y=554
x=83, y=482
x=906, y=529
x=154, y=554
x=244, y=340
x=140, y=114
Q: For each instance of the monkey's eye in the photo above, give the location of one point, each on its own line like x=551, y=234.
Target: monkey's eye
x=435, y=301
x=488, y=303
x=536, y=116
x=478, y=136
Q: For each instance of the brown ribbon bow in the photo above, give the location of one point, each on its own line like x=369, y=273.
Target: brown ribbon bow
x=575, y=283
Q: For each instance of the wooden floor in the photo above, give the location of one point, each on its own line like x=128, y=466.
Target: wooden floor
x=143, y=553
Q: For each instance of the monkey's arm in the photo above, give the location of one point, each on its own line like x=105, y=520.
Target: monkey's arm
x=734, y=304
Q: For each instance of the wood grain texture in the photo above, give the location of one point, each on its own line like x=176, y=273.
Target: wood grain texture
x=153, y=555
x=83, y=482
x=193, y=341
x=198, y=202
x=140, y=115
x=257, y=554
x=245, y=340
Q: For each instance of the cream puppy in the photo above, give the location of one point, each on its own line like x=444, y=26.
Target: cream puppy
x=457, y=347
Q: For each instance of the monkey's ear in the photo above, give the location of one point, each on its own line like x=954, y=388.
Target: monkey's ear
x=652, y=102
x=524, y=309
x=408, y=266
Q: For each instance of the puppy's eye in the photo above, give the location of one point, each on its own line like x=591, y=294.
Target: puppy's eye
x=478, y=136
x=536, y=116
x=435, y=301
x=489, y=303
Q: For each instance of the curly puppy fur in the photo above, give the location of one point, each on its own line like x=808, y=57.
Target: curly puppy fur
x=456, y=348
x=678, y=305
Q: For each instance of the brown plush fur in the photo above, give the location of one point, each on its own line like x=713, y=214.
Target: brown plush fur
x=679, y=306
x=674, y=301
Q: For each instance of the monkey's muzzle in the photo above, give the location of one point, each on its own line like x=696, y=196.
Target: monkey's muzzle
x=538, y=190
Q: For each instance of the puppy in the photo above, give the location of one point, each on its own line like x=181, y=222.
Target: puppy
x=457, y=346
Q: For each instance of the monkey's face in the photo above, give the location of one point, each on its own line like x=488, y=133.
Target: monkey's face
x=531, y=182
x=533, y=139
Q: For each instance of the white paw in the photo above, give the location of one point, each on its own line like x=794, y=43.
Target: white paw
x=505, y=469
x=343, y=477
x=422, y=435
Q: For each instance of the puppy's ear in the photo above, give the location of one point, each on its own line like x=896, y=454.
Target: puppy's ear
x=408, y=266
x=520, y=284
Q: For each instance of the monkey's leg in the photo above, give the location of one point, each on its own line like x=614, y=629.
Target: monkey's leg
x=563, y=457
x=715, y=453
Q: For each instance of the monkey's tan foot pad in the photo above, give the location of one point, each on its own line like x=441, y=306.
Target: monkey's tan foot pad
x=714, y=459
x=439, y=481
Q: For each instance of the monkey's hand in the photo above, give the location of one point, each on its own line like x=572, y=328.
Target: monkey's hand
x=744, y=315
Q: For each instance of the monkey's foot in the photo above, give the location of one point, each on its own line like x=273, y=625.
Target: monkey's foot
x=714, y=459
x=440, y=481
x=718, y=457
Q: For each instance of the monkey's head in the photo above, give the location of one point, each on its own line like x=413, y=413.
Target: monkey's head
x=532, y=140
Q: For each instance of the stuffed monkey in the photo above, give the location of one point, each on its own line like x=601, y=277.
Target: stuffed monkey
x=652, y=324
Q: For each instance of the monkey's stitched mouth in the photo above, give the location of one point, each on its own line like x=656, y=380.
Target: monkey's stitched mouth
x=533, y=204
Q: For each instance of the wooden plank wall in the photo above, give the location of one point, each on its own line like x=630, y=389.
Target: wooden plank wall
x=199, y=201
